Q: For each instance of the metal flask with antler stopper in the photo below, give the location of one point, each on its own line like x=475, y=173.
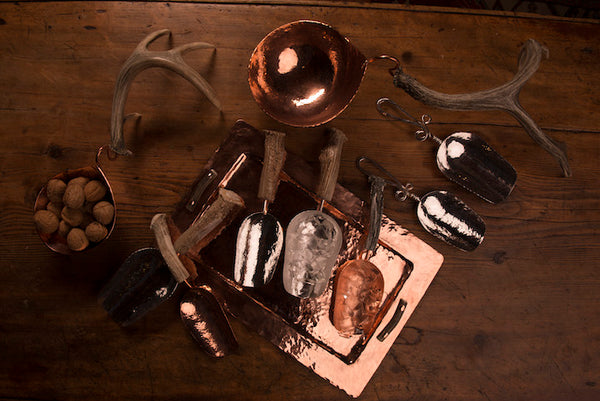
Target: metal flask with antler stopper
x=313, y=238
x=260, y=237
x=462, y=157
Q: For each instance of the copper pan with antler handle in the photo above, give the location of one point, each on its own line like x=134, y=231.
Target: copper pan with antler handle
x=305, y=73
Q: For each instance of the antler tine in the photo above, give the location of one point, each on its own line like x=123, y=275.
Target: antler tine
x=142, y=58
x=151, y=37
x=183, y=49
x=505, y=97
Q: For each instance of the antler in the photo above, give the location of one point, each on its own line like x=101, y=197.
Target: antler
x=504, y=97
x=143, y=58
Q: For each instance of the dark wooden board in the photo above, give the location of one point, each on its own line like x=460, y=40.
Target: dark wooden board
x=516, y=319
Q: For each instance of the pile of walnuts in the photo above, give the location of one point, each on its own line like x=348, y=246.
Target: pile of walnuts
x=77, y=211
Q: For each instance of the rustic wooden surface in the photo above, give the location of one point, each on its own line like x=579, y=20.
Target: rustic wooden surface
x=518, y=319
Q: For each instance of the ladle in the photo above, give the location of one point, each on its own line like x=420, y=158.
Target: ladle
x=462, y=157
x=359, y=283
x=305, y=73
x=313, y=238
x=441, y=213
x=260, y=236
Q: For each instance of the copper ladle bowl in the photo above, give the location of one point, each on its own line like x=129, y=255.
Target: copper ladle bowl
x=305, y=73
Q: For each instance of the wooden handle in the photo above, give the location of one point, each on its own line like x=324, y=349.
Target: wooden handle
x=227, y=203
x=330, y=158
x=273, y=163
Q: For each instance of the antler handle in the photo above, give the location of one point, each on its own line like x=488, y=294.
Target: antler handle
x=330, y=158
x=504, y=97
x=375, y=212
x=143, y=58
x=226, y=204
x=272, y=165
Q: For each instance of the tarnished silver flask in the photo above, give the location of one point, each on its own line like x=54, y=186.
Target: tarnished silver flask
x=469, y=161
x=445, y=216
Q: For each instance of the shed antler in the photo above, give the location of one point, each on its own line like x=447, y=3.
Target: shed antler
x=143, y=58
x=504, y=97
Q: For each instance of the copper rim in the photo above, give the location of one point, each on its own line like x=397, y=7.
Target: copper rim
x=305, y=73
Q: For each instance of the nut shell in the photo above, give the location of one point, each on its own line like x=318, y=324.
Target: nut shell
x=81, y=181
x=96, y=232
x=55, y=189
x=74, y=196
x=94, y=191
x=73, y=217
x=76, y=240
x=46, y=221
x=104, y=212
x=64, y=228
x=55, y=208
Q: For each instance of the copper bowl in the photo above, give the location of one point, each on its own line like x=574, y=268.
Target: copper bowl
x=305, y=73
x=56, y=242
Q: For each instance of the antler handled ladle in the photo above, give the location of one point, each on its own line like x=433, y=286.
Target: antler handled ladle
x=305, y=73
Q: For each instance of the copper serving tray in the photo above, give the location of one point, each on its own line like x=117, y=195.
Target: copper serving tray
x=302, y=328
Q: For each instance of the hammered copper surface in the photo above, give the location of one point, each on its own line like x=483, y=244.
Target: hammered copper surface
x=305, y=73
x=302, y=327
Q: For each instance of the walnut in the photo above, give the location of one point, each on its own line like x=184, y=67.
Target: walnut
x=46, y=221
x=64, y=228
x=74, y=196
x=73, y=217
x=96, y=232
x=104, y=212
x=55, y=190
x=94, y=191
x=81, y=181
x=55, y=208
x=88, y=218
x=76, y=240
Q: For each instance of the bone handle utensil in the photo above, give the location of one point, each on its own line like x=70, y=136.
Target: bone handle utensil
x=330, y=159
x=313, y=238
x=272, y=165
x=260, y=236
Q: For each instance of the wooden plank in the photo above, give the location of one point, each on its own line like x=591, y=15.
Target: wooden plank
x=516, y=319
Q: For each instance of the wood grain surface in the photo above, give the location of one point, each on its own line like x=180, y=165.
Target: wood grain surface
x=518, y=319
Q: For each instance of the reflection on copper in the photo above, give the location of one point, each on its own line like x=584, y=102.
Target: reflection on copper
x=313, y=97
x=288, y=60
x=305, y=73
x=202, y=315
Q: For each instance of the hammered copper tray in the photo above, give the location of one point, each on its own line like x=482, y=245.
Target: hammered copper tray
x=302, y=328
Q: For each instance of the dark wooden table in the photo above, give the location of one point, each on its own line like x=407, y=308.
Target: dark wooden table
x=518, y=319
